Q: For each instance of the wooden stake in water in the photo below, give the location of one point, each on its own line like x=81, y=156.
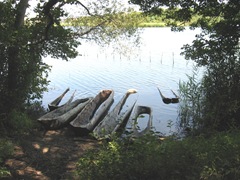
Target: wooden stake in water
x=173, y=57
x=149, y=56
x=161, y=57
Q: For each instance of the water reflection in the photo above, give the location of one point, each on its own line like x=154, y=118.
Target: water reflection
x=157, y=63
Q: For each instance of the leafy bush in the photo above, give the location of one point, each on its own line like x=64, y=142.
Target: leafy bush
x=217, y=157
x=35, y=109
x=19, y=122
x=212, y=103
x=6, y=149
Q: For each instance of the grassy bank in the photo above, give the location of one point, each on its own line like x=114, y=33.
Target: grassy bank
x=215, y=157
x=136, y=19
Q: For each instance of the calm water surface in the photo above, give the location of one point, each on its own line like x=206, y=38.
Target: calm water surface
x=157, y=63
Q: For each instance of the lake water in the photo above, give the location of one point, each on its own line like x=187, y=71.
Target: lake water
x=156, y=63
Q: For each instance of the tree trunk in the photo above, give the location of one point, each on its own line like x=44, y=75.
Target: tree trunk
x=21, y=11
x=14, y=60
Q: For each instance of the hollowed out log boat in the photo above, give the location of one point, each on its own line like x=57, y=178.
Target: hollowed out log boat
x=114, y=120
x=93, y=112
x=55, y=103
x=169, y=100
x=61, y=117
x=138, y=111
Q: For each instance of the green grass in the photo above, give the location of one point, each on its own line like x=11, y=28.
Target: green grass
x=152, y=24
x=136, y=19
x=215, y=157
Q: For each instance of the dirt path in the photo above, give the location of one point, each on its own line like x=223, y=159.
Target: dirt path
x=50, y=156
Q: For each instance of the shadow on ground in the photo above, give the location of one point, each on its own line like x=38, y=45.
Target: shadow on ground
x=50, y=156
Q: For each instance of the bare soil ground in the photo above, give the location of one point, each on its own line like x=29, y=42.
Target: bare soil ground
x=52, y=155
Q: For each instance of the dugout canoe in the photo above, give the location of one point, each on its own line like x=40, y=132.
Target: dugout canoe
x=93, y=112
x=137, y=113
x=55, y=103
x=169, y=100
x=61, y=117
x=114, y=120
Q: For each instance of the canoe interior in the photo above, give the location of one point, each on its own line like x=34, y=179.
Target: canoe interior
x=93, y=112
x=138, y=112
x=59, y=117
x=54, y=104
x=115, y=120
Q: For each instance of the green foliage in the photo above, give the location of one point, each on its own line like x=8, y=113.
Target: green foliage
x=4, y=172
x=24, y=41
x=19, y=122
x=119, y=160
x=191, y=103
x=23, y=73
x=220, y=56
x=217, y=49
x=121, y=20
x=6, y=150
x=129, y=19
x=216, y=157
x=106, y=22
x=219, y=156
